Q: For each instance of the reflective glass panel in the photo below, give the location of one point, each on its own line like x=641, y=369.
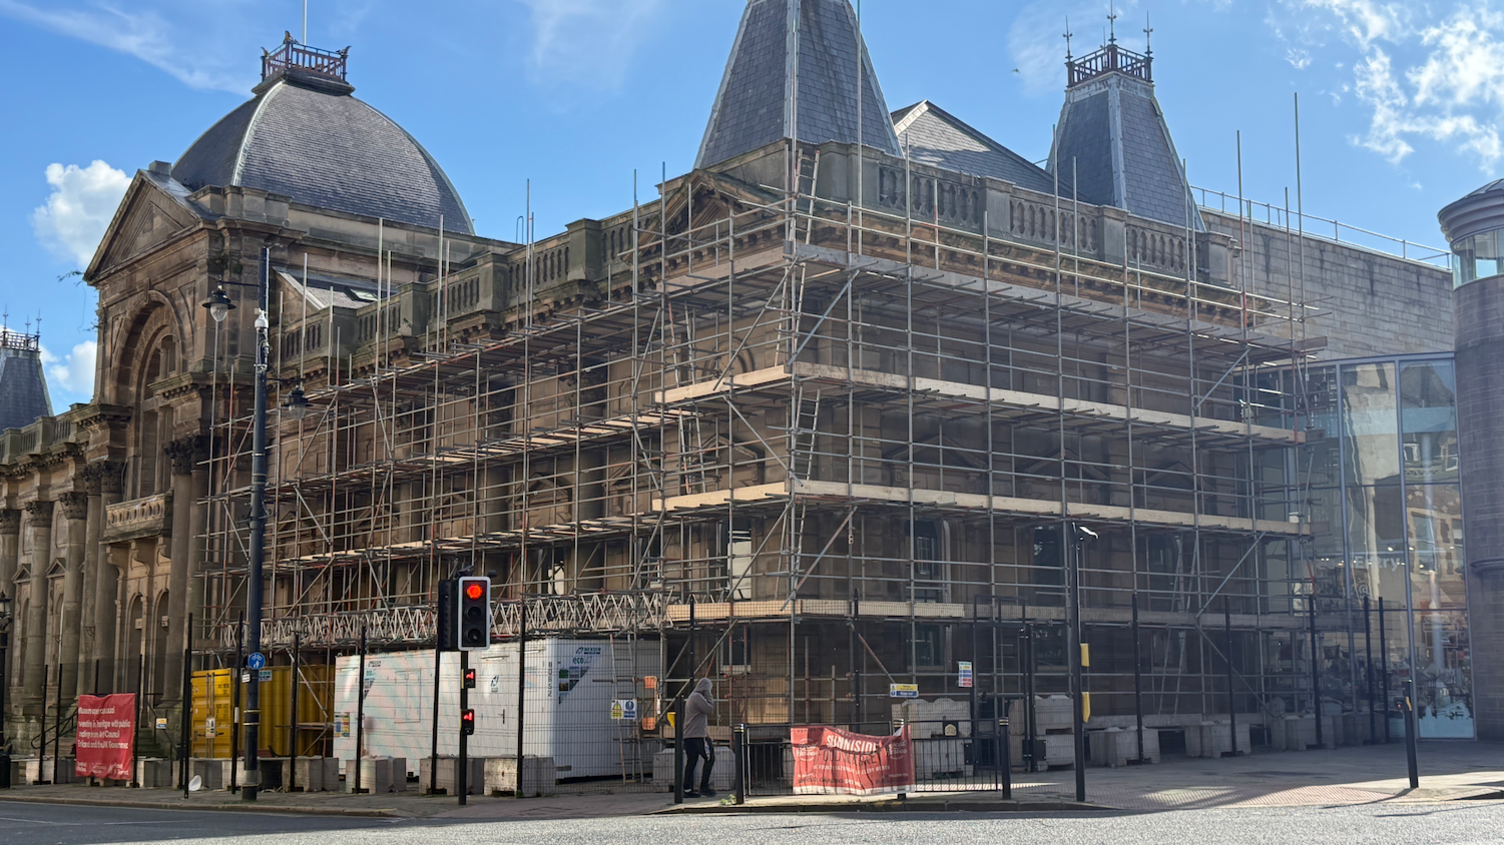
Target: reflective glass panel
x=1370, y=424
x=1443, y=674
x=1428, y=418
x=1376, y=540
x=1434, y=512
x=1477, y=257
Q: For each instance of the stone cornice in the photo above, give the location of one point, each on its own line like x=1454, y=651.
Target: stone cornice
x=98, y=414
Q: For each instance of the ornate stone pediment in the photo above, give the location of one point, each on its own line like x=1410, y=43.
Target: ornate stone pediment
x=146, y=219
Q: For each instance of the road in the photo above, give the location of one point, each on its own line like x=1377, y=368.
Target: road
x=1454, y=823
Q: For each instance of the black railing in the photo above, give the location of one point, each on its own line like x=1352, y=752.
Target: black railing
x=1108, y=59
x=294, y=56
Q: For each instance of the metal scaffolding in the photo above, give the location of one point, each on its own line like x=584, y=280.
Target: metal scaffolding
x=807, y=440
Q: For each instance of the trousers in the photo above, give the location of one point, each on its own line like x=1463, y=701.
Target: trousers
x=695, y=750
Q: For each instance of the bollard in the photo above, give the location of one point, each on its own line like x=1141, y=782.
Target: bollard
x=1002, y=755
x=1412, y=727
x=679, y=753
x=739, y=746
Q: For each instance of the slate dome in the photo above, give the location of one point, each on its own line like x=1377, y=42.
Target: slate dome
x=304, y=135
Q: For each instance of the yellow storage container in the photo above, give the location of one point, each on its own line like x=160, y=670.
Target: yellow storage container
x=215, y=716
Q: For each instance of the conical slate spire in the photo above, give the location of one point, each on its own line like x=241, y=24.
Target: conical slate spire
x=1113, y=133
x=23, y=387
x=793, y=69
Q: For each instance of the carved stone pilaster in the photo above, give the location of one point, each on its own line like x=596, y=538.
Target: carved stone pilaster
x=75, y=505
x=186, y=453
x=41, y=513
x=10, y=521
x=104, y=477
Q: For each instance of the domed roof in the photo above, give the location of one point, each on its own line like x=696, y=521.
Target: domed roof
x=304, y=136
x=1477, y=212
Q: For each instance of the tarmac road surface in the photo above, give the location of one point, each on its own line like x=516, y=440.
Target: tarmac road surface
x=1380, y=823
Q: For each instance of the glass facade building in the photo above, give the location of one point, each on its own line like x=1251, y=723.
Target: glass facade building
x=1382, y=569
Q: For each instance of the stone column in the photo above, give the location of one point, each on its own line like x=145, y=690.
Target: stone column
x=106, y=575
x=75, y=507
x=198, y=525
x=34, y=670
x=1479, y=310
x=10, y=554
x=93, y=527
x=185, y=454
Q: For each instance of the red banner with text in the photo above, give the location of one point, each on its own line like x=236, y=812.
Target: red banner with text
x=106, y=736
x=830, y=761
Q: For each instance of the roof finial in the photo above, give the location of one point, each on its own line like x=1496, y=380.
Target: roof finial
x=1112, y=17
x=1148, y=34
x=1067, y=36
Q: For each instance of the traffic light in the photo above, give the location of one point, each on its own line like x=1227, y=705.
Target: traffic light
x=469, y=679
x=467, y=721
x=474, y=613
x=444, y=612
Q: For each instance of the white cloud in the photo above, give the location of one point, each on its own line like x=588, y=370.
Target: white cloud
x=74, y=373
x=172, y=36
x=75, y=216
x=1440, y=79
x=580, y=40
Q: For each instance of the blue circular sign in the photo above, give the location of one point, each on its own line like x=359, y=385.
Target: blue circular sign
x=257, y=660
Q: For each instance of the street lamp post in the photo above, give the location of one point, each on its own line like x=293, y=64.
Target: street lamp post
x=258, y=536
x=219, y=307
x=4, y=685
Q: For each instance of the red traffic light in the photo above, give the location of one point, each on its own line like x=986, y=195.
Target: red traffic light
x=469, y=679
x=467, y=721
x=473, y=590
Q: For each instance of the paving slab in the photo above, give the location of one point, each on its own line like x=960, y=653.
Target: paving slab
x=1450, y=771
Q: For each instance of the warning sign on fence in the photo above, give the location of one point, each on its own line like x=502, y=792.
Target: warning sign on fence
x=964, y=674
x=106, y=736
x=903, y=690
x=830, y=761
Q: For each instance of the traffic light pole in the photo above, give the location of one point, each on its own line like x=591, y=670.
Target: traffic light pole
x=461, y=777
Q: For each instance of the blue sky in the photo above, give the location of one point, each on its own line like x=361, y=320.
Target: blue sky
x=1400, y=102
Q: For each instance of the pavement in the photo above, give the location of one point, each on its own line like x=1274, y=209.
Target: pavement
x=1356, y=776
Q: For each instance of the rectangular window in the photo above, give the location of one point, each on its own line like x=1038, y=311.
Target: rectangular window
x=928, y=643
x=738, y=551
x=929, y=562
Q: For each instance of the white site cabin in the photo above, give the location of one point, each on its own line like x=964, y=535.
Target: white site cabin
x=573, y=687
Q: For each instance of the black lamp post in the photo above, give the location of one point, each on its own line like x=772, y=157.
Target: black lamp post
x=219, y=306
x=4, y=686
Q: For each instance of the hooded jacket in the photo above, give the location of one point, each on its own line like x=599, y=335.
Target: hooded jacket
x=697, y=710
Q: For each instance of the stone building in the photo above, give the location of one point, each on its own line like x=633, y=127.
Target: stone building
x=826, y=414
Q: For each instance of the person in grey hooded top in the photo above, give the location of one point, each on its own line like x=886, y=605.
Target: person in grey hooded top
x=697, y=710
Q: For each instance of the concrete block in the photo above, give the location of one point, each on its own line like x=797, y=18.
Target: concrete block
x=375, y=775
x=156, y=774
x=1213, y=739
x=447, y=782
x=317, y=774
x=722, y=777
x=1059, y=751
x=214, y=774
x=39, y=770
x=499, y=776
x=933, y=757
x=1117, y=747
